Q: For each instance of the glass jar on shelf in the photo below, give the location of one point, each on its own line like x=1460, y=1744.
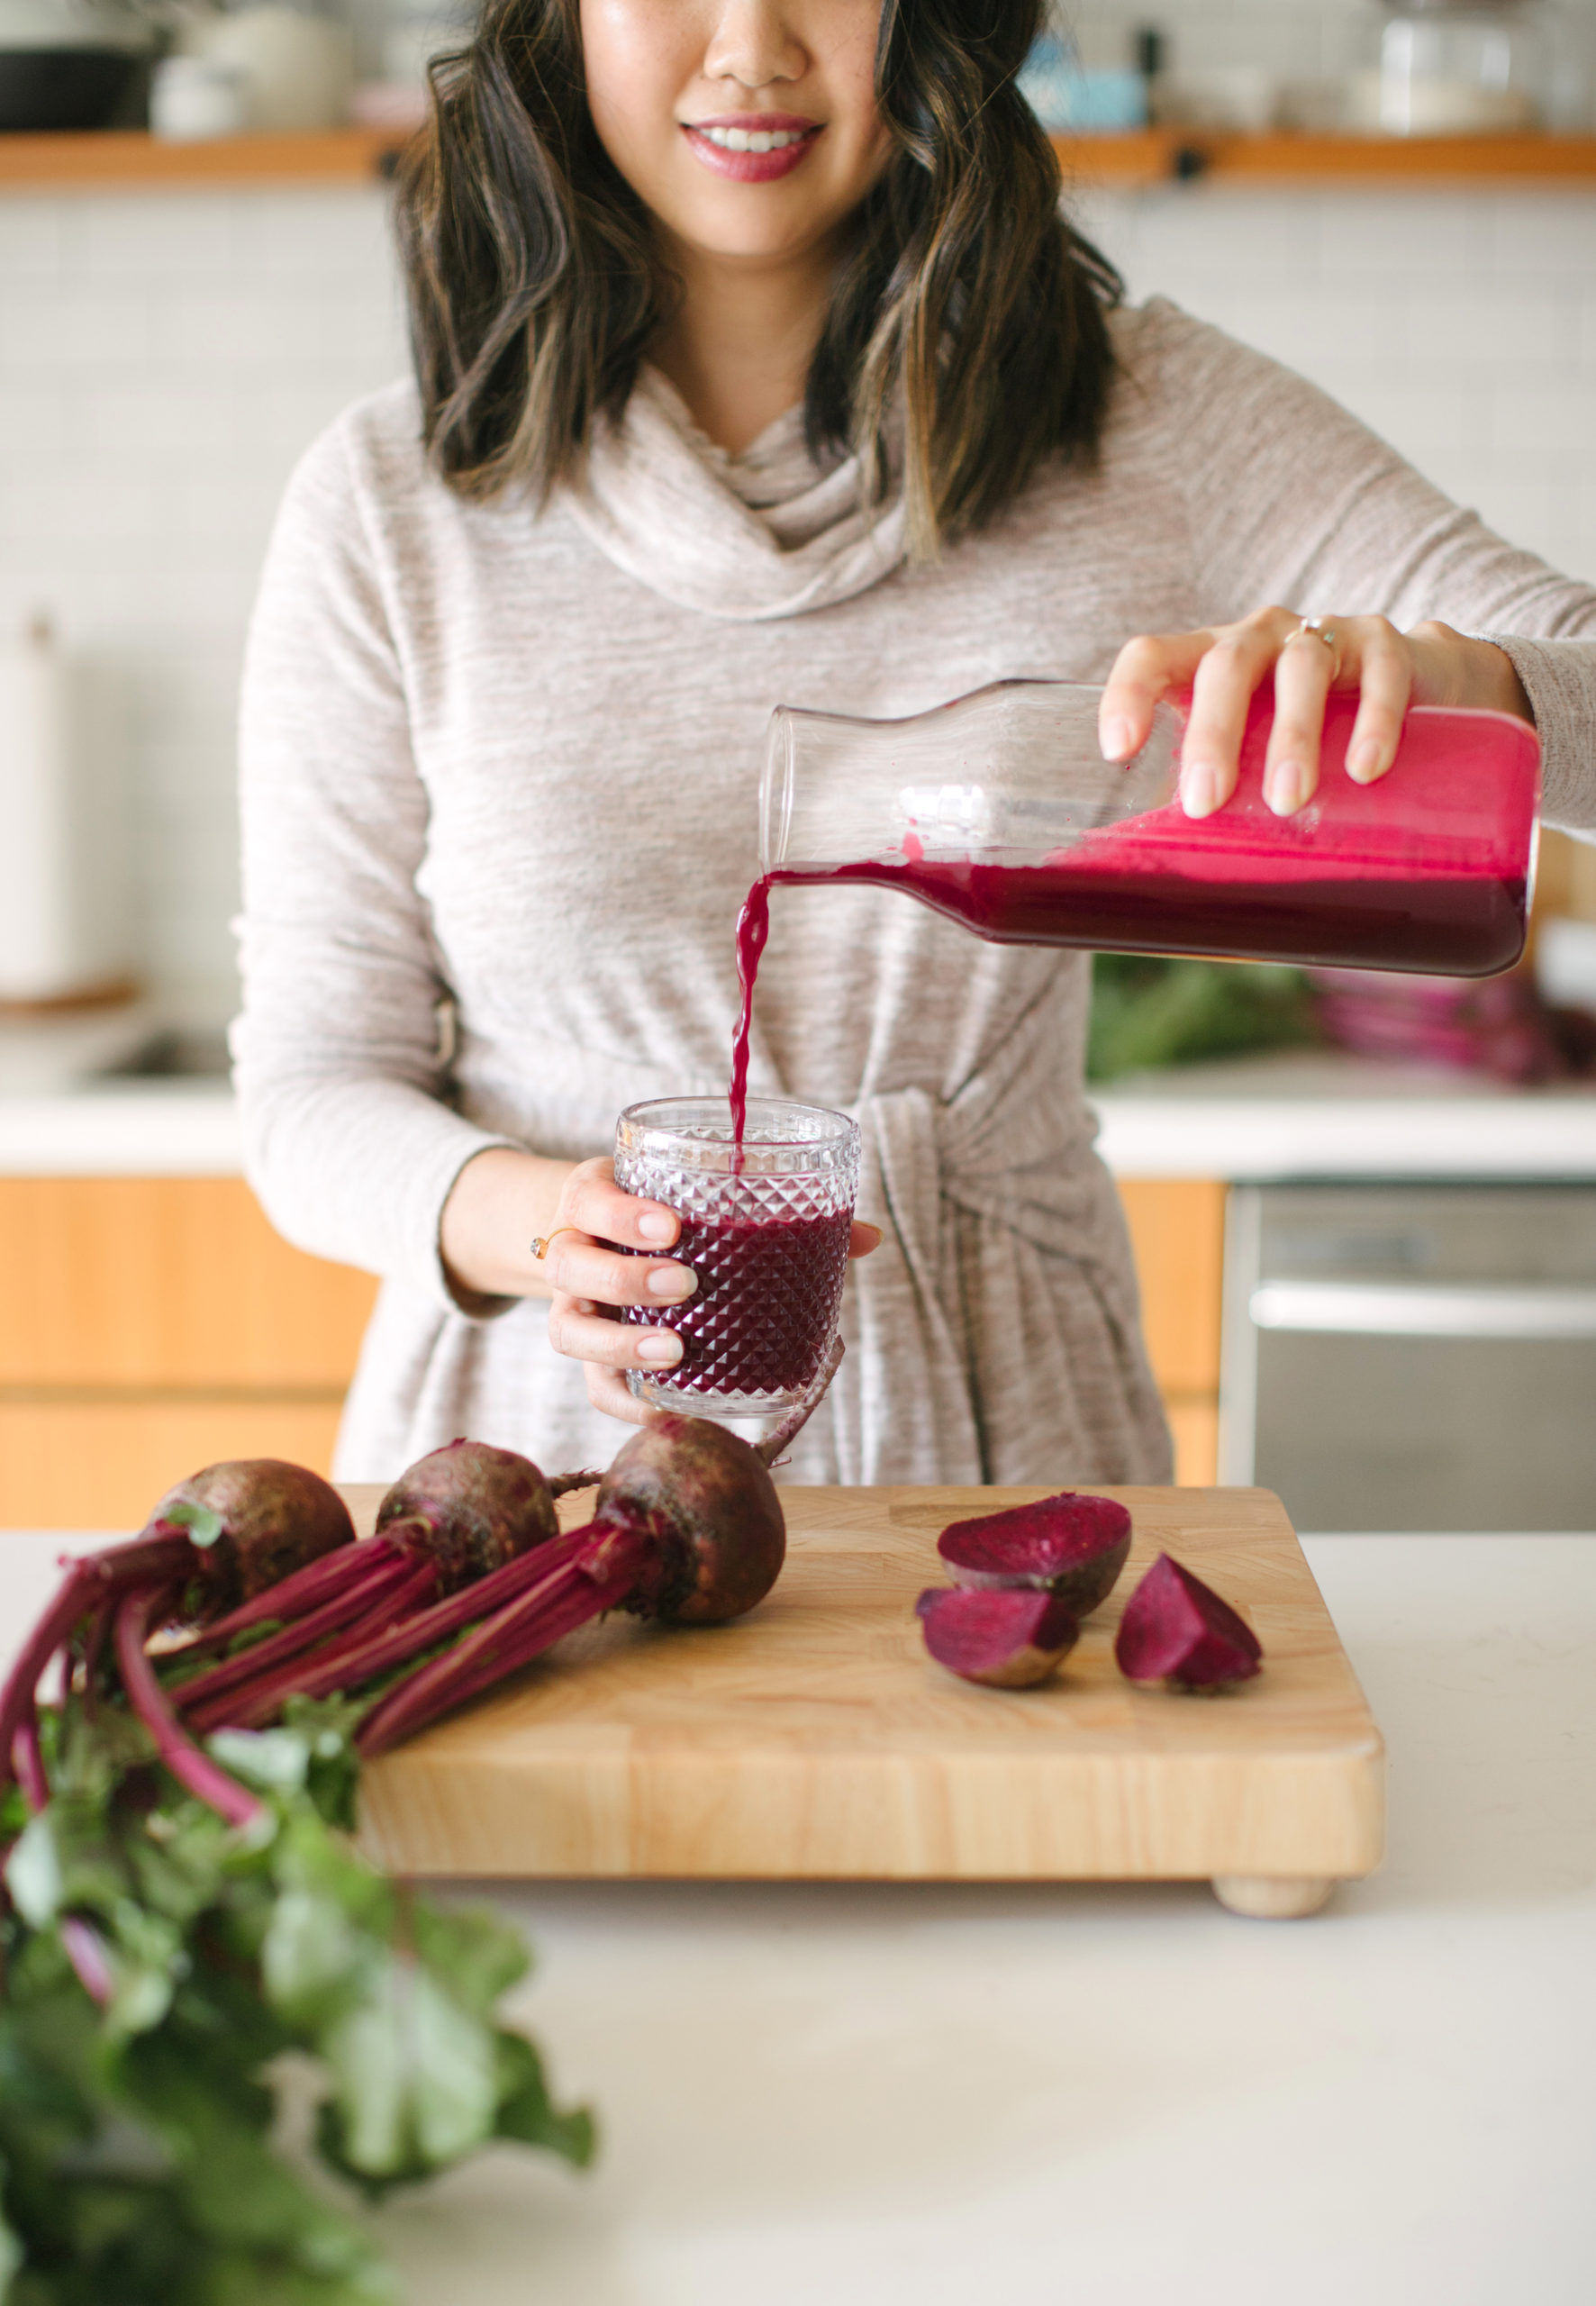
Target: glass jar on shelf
x=1454, y=68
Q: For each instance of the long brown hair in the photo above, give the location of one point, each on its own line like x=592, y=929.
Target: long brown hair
x=966, y=295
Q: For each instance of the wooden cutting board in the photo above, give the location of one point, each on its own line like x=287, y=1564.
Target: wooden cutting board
x=816, y=1740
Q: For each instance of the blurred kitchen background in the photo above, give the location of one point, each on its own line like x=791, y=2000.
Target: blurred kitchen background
x=1398, y=202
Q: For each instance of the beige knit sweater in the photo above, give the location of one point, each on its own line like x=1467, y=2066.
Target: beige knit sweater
x=504, y=766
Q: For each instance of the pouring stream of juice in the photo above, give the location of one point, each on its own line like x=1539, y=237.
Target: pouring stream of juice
x=1348, y=882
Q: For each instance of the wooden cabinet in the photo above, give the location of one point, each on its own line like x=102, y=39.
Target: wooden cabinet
x=151, y=1325
x=1177, y=1229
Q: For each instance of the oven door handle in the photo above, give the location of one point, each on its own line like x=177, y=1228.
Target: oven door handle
x=1425, y=1309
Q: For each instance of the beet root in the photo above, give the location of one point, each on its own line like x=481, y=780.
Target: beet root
x=1178, y=1630
x=1073, y=1545
x=275, y=1518
x=1009, y=1638
x=710, y=1501
x=472, y=1507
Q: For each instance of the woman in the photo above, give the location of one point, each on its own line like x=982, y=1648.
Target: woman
x=754, y=365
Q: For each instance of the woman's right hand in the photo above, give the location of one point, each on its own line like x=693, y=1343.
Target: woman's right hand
x=503, y=1200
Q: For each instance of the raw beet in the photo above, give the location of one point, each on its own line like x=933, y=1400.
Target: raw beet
x=449, y=1524
x=1177, y=1629
x=709, y=1501
x=213, y=1548
x=1074, y=1545
x=1009, y=1638
x=275, y=1518
x=687, y=1528
x=472, y=1507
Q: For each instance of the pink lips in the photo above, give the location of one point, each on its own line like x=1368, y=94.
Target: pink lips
x=753, y=168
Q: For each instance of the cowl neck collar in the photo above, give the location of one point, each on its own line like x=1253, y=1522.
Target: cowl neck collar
x=768, y=533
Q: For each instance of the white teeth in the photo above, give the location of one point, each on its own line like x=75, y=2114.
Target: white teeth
x=753, y=140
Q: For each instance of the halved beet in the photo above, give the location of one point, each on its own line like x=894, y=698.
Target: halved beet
x=1010, y=1637
x=1073, y=1545
x=1177, y=1629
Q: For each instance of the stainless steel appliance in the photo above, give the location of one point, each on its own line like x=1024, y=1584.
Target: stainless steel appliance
x=1413, y=1357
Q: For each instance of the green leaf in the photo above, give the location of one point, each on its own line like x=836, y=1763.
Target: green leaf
x=11, y=2247
x=476, y=1954
x=525, y=2111
x=415, y=2076
x=276, y=1761
x=203, y=1526
x=33, y=1872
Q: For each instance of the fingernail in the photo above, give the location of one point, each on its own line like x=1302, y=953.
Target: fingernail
x=672, y=1282
x=657, y=1229
x=1288, y=787
x=1200, y=789
x=660, y=1346
x=1119, y=740
x=1366, y=761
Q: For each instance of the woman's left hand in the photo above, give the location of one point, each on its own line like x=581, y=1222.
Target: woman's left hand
x=1221, y=667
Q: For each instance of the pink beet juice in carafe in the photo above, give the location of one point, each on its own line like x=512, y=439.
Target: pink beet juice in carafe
x=998, y=811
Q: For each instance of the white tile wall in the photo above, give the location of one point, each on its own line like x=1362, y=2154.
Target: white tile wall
x=164, y=357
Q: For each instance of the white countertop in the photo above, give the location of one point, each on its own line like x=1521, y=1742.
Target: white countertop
x=1299, y=1113
x=944, y=2097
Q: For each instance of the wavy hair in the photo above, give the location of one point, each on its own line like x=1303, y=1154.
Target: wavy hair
x=965, y=297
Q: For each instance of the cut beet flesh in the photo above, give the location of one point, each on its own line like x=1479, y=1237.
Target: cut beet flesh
x=1177, y=1629
x=1074, y=1545
x=1009, y=1638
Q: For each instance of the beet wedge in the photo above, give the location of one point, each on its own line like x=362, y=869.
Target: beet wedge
x=1073, y=1546
x=1177, y=1631
x=1009, y=1638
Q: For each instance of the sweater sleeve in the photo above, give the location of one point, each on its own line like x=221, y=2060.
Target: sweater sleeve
x=350, y=1139
x=1292, y=500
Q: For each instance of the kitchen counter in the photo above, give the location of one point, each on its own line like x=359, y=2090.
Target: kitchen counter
x=935, y=2096
x=1292, y=1114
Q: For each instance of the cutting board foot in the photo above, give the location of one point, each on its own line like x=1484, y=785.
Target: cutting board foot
x=1267, y=1897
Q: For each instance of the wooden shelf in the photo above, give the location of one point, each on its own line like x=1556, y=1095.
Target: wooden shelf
x=120, y=159
x=1161, y=155
x=126, y=159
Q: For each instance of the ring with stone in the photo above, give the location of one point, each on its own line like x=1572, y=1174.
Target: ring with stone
x=1318, y=629
x=541, y=1242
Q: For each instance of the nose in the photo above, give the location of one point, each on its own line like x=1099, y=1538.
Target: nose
x=753, y=44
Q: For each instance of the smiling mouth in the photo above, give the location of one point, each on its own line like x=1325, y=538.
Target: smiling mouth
x=754, y=140
x=750, y=148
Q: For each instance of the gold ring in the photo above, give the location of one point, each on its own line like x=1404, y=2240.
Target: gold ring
x=1319, y=630
x=541, y=1242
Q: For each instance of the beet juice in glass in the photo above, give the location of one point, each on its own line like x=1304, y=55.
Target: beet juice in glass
x=764, y=1227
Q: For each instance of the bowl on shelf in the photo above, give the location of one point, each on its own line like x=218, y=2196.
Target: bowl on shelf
x=72, y=64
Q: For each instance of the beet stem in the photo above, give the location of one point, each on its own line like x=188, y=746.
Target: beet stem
x=85, y=1950
x=564, y=1483
x=799, y=1415
x=256, y=1702
x=196, y=1770
x=311, y=1586
x=387, y=1579
x=92, y=1579
x=336, y=1668
x=554, y=1605
x=28, y=1761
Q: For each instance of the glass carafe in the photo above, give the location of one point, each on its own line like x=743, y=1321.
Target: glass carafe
x=998, y=810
